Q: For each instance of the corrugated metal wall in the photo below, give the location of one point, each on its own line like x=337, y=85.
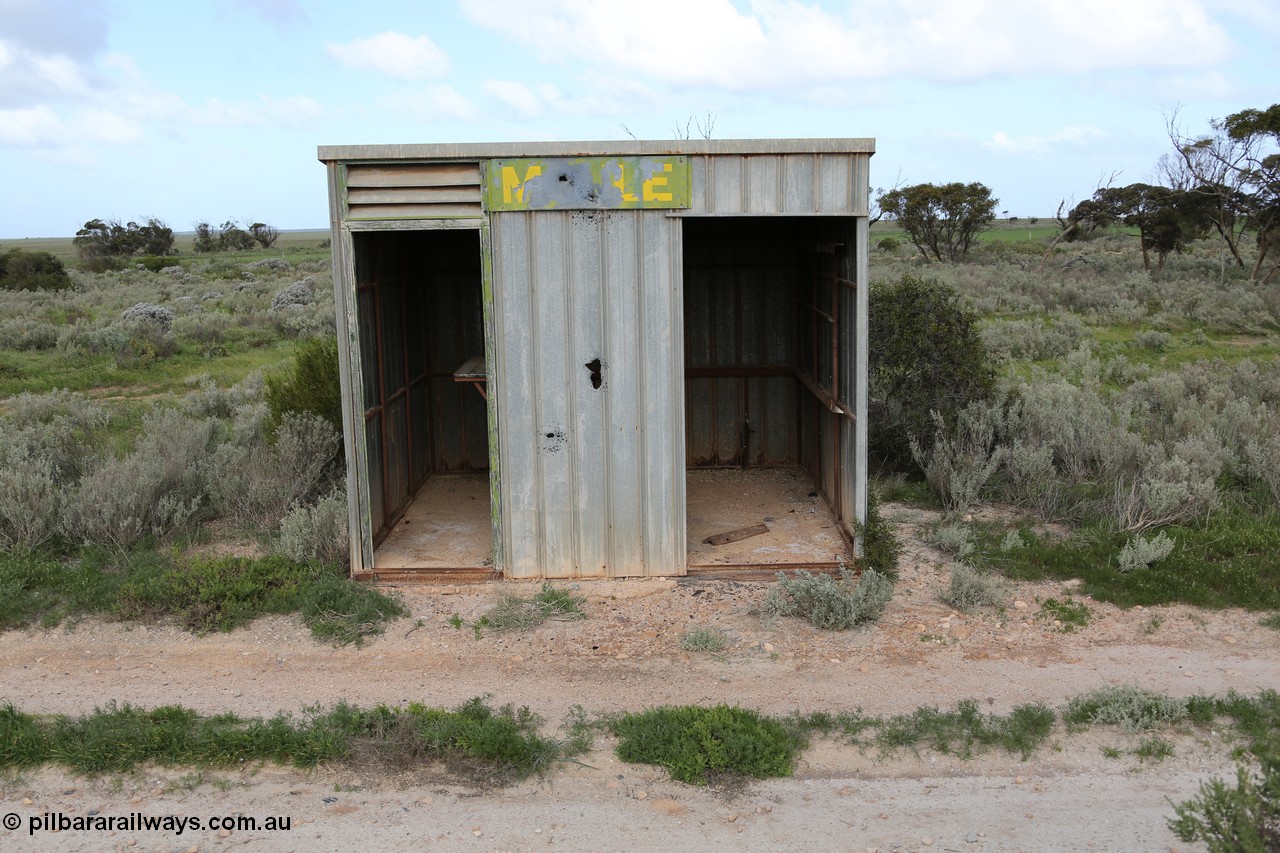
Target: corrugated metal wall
x=590, y=392
x=780, y=183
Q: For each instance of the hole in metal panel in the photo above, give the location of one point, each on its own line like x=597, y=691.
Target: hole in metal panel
x=594, y=367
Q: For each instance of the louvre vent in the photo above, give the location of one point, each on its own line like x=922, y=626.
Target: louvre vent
x=413, y=191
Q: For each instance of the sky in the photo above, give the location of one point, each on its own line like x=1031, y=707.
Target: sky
x=190, y=112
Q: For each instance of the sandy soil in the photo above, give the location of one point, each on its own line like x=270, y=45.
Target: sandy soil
x=626, y=655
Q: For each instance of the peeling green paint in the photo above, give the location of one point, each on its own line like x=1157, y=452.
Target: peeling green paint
x=491, y=361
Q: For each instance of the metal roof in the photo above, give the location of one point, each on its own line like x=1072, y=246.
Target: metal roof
x=620, y=147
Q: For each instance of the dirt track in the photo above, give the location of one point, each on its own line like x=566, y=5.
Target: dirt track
x=626, y=655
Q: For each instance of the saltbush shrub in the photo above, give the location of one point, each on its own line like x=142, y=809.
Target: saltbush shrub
x=257, y=481
x=1228, y=820
x=971, y=589
x=46, y=442
x=157, y=489
x=828, y=603
x=318, y=532
x=1141, y=552
x=960, y=460
x=161, y=315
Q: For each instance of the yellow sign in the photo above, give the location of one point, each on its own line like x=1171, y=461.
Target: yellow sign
x=576, y=183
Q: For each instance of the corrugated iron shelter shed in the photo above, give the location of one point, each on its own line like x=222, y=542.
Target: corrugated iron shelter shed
x=547, y=347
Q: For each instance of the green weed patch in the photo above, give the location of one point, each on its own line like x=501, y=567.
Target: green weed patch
x=1232, y=560
x=700, y=745
x=202, y=595
x=476, y=742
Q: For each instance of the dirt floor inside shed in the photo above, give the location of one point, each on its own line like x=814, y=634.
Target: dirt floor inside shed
x=626, y=656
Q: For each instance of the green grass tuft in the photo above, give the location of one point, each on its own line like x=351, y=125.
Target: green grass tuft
x=965, y=729
x=1069, y=613
x=521, y=613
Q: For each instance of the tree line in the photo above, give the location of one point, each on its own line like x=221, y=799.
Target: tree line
x=109, y=238
x=1225, y=182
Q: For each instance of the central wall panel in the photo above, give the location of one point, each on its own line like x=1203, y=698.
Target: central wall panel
x=591, y=415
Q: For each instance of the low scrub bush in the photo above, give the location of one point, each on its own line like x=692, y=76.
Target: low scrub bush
x=828, y=603
x=958, y=463
x=25, y=334
x=703, y=745
x=253, y=479
x=955, y=540
x=1034, y=339
x=1129, y=707
x=1140, y=552
x=1229, y=819
x=971, y=589
x=155, y=490
x=45, y=442
x=703, y=640
x=320, y=531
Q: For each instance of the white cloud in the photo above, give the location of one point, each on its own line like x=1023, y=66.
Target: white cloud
x=48, y=49
x=23, y=128
x=1070, y=135
x=43, y=127
x=394, y=54
x=433, y=103
x=30, y=77
x=782, y=44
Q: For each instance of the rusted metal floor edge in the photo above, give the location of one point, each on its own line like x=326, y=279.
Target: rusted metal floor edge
x=756, y=571
x=716, y=571
x=432, y=575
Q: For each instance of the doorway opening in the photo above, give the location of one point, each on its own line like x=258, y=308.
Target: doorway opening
x=769, y=308
x=420, y=309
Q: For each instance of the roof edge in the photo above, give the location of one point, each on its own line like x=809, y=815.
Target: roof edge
x=621, y=147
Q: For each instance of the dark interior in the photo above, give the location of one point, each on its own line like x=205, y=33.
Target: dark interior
x=421, y=317
x=762, y=307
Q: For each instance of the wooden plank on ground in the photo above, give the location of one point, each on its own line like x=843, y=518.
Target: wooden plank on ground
x=736, y=535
